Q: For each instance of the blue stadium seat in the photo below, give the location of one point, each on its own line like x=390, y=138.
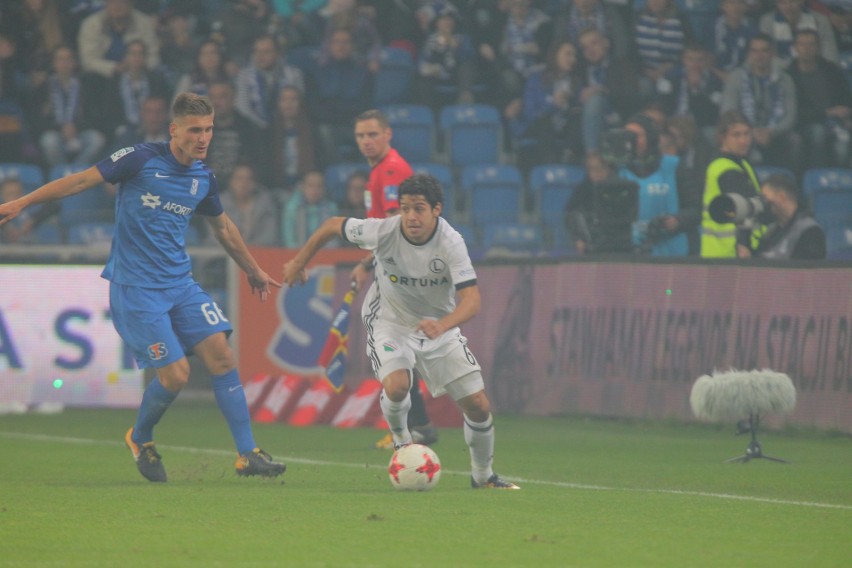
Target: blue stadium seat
x=445, y=177
x=833, y=211
x=29, y=175
x=94, y=205
x=551, y=187
x=413, y=131
x=764, y=172
x=819, y=179
x=473, y=134
x=48, y=233
x=493, y=193
x=95, y=233
x=336, y=176
x=516, y=237
x=393, y=81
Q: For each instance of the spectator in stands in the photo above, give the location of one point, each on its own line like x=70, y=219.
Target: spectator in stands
x=105, y=35
x=258, y=83
x=238, y=24
x=341, y=87
x=65, y=133
x=178, y=47
x=306, y=210
x=824, y=105
x=691, y=88
x=19, y=230
x=762, y=91
x=446, y=63
x=523, y=45
x=15, y=142
x=582, y=15
x=251, y=207
x=729, y=172
x=548, y=128
x=153, y=124
x=485, y=21
x=732, y=30
x=294, y=142
x=663, y=210
x=593, y=223
x=791, y=16
x=352, y=204
x=237, y=138
x=358, y=17
x=209, y=68
x=839, y=13
x=129, y=88
x=661, y=33
x=794, y=234
x=43, y=28
x=611, y=92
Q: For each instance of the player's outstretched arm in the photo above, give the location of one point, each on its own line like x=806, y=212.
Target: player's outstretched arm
x=232, y=241
x=294, y=270
x=56, y=189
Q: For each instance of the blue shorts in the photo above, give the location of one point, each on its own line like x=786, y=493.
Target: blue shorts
x=162, y=325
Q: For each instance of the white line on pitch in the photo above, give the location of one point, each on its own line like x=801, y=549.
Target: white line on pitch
x=90, y=441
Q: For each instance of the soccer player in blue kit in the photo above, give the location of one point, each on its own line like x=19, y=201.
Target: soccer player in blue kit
x=157, y=307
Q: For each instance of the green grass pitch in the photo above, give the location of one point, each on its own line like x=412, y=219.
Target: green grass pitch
x=595, y=493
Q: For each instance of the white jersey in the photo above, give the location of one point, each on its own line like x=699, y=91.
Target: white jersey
x=412, y=282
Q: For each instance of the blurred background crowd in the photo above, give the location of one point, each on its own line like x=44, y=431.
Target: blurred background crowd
x=513, y=104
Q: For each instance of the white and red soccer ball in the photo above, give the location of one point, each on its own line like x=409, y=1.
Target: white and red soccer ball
x=414, y=468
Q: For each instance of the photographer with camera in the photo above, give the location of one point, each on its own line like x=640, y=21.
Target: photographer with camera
x=665, y=210
x=729, y=173
x=793, y=233
x=601, y=210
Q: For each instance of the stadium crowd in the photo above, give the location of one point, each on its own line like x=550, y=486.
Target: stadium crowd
x=80, y=79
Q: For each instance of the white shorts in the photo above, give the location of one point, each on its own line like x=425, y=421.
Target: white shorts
x=445, y=363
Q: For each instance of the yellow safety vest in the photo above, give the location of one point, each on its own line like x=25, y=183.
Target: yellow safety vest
x=720, y=240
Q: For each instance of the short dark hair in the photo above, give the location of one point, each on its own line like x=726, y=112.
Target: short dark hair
x=728, y=119
x=783, y=183
x=190, y=104
x=425, y=185
x=373, y=114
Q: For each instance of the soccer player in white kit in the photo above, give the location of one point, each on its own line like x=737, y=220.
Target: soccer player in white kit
x=411, y=315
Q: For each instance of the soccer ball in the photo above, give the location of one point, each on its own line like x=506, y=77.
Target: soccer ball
x=414, y=468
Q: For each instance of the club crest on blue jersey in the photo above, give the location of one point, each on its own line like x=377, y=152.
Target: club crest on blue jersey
x=305, y=314
x=194, y=189
x=157, y=351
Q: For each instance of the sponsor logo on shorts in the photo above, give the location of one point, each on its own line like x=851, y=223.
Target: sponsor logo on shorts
x=390, y=346
x=157, y=351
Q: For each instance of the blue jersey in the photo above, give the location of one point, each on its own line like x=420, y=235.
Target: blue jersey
x=153, y=207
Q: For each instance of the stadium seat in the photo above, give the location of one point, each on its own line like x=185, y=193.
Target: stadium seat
x=493, y=193
x=94, y=205
x=393, y=81
x=413, y=131
x=551, y=187
x=336, y=176
x=48, y=233
x=833, y=211
x=471, y=239
x=764, y=172
x=819, y=179
x=29, y=175
x=95, y=233
x=516, y=237
x=445, y=177
x=472, y=134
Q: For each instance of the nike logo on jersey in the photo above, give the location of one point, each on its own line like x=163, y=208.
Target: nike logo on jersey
x=159, y=175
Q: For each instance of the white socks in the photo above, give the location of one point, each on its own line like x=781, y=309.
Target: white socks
x=396, y=414
x=480, y=439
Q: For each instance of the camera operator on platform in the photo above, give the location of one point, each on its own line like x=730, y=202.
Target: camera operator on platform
x=793, y=233
x=730, y=172
x=665, y=211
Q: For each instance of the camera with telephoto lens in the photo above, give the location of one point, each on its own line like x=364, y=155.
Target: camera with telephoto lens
x=736, y=208
x=618, y=146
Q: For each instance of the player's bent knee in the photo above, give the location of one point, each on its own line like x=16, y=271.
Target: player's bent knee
x=174, y=376
x=397, y=384
x=476, y=406
x=216, y=353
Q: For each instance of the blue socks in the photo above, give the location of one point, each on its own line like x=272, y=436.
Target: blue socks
x=155, y=402
x=231, y=399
